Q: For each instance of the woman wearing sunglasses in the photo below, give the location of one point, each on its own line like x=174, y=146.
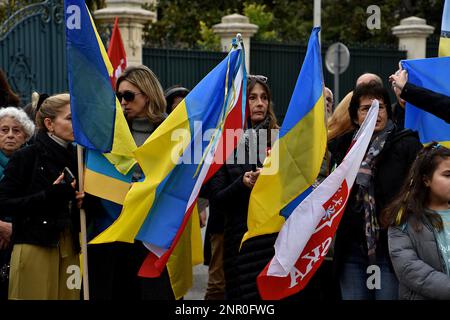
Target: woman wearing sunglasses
x=114, y=267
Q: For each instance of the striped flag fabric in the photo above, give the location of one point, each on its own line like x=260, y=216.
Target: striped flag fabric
x=298, y=152
x=103, y=180
x=178, y=158
x=305, y=238
x=97, y=118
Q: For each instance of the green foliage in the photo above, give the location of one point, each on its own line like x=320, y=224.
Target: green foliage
x=208, y=39
x=95, y=4
x=258, y=15
x=179, y=24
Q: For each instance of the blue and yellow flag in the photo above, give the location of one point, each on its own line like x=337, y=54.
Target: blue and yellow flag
x=432, y=74
x=444, y=43
x=103, y=180
x=177, y=158
x=97, y=118
x=300, y=149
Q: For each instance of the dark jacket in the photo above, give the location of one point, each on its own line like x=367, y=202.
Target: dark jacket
x=418, y=262
x=232, y=196
x=215, y=223
x=392, y=167
x=427, y=100
x=398, y=115
x=40, y=209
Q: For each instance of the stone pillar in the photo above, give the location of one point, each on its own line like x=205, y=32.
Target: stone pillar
x=132, y=18
x=412, y=34
x=232, y=25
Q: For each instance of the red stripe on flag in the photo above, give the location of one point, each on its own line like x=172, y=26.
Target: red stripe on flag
x=275, y=288
x=152, y=267
x=233, y=121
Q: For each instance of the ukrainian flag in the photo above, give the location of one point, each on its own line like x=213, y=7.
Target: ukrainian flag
x=103, y=180
x=177, y=158
x=432, y=74
x=300, y=149
x=444, y=43
x=97, y=118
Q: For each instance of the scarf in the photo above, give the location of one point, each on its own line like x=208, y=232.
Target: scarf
x=3, y=162
x=250, y=139
x=365, y=196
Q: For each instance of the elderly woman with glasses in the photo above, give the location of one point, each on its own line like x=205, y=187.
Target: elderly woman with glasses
x=15, y=129
x=229, y=193
x=361, y=257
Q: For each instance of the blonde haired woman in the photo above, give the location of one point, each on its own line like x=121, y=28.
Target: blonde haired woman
x=114, y=267
x=45, y=217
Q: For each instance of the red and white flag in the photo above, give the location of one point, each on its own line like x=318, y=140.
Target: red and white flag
x=116, y=53
x=305, y=237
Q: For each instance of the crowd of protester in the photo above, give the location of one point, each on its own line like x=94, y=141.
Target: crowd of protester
x=397, y=216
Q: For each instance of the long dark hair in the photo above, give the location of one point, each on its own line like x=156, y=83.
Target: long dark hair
x=413, y=196
x=251, y=83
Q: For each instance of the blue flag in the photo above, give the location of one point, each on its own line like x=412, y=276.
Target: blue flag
x=432, y=74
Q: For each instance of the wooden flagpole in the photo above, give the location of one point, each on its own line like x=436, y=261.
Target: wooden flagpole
x=83, y=224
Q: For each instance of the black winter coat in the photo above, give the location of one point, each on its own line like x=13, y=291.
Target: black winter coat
x=392, y=167
x=40, y=209
x=230, y=194
x=427, y=100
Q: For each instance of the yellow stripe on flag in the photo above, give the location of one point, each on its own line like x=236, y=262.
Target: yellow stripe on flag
x=186, y=254
x=444, y=47
x=299, y=165
x=105, y=187
x=123, y=147
x=158, y=159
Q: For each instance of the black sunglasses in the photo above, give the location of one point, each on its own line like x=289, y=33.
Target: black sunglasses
x=257, y=77
x=127, y=95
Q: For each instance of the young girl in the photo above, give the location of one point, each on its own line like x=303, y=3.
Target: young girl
x=419, y=227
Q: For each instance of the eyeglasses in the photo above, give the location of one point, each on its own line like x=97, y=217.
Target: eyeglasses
x=257, y=77
x=364, y=108
x=127, y=95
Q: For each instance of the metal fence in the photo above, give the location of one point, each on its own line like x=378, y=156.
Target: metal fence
x=433, y=46
x=32, y=53
x=281, y=63
x=177, y=66
x=32, y=48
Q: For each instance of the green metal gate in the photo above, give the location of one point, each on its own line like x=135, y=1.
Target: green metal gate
x=32, y=49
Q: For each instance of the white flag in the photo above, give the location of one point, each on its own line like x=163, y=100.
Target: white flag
x=316, y=211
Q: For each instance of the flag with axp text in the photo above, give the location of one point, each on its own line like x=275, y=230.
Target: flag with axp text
x=305, y=237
